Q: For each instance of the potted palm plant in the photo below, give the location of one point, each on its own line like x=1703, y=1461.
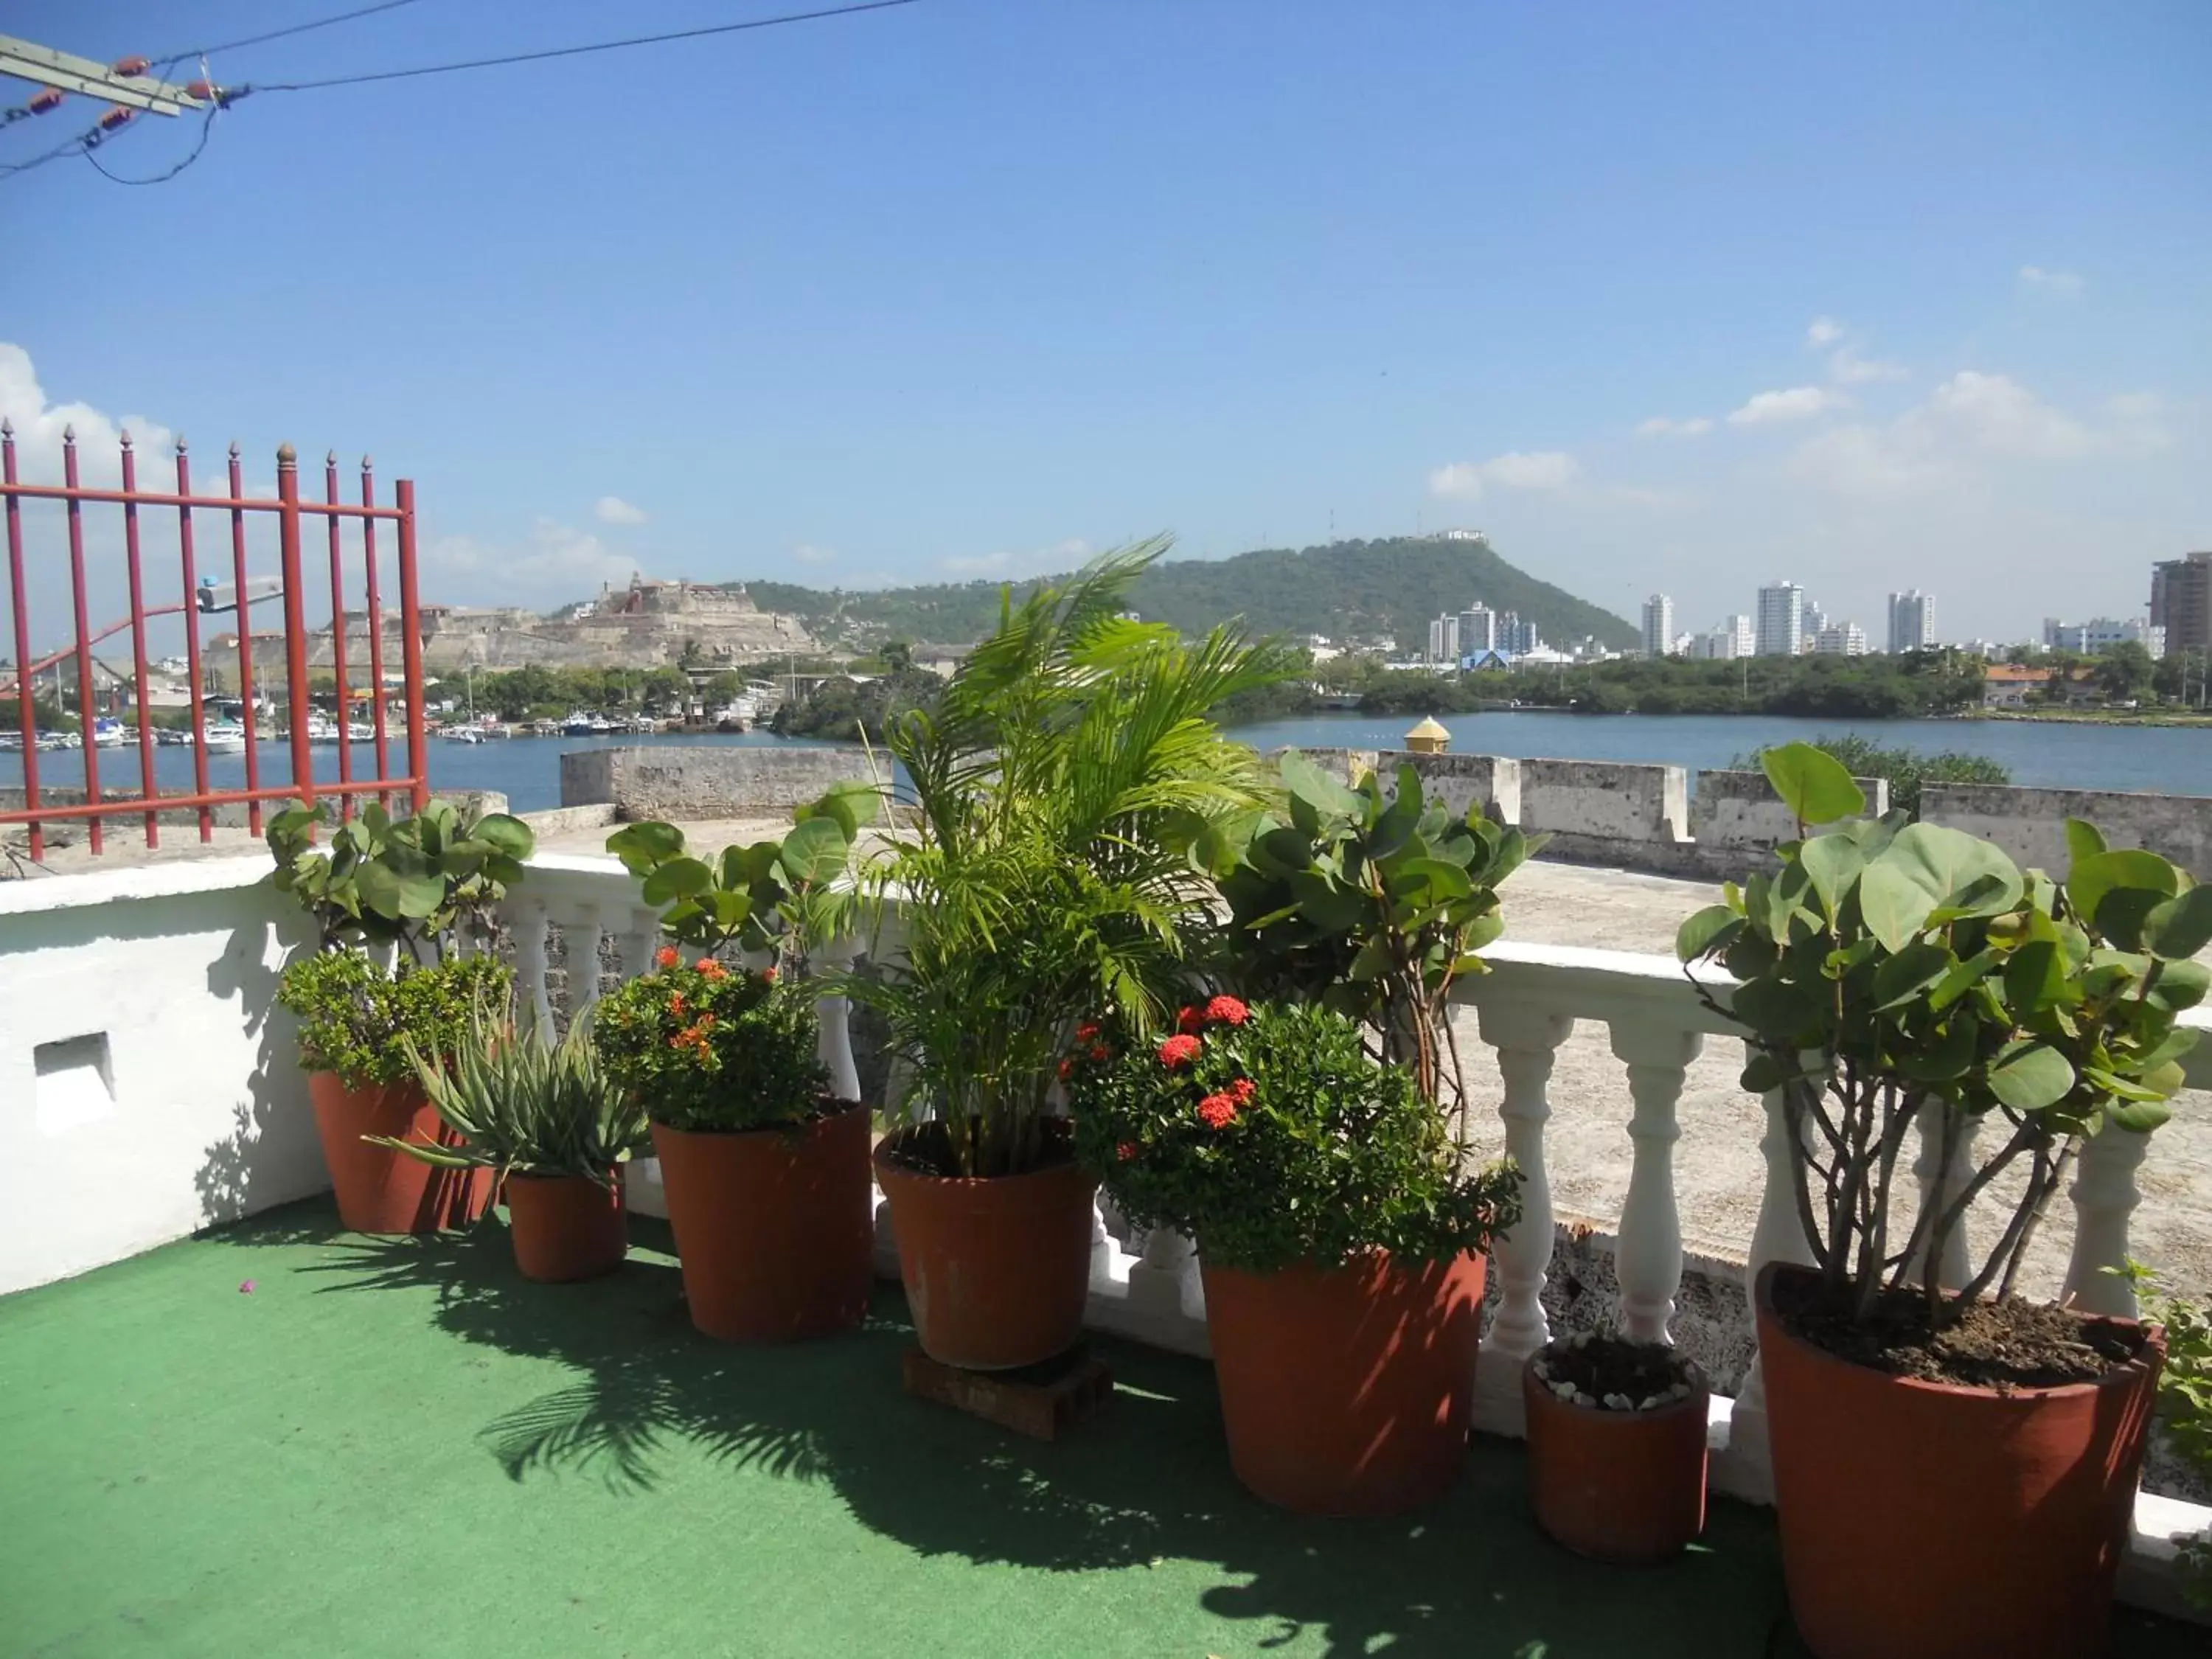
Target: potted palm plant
x=1335, y=1224
x=1372, y=904
x=1955, y=1465
x=552, y=1128
x=766, y=1174
x=397, y=906
x=1041, y=877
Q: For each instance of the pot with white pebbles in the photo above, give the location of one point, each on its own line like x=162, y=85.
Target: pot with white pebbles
x=1616, y=1446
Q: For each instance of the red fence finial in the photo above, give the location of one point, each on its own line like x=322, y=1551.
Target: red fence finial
x=287, y=458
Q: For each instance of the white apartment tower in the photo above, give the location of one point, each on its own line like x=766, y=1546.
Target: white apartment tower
x=1781, y=620
x=1444, y=639
x=1658, y=625
x=1912, y=621
x=1477, y=630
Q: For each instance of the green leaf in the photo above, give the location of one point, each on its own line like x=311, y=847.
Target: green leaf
x=1813, y=784
x=506, y=834
x=1910, y=971
x=2180, y=985
x=2181, y=926
x=1893, y=903
x=678, y=878
x=2033, y=978
x=1445, y=881
x=2083, y=840
x=2138, y=1116
x=2029, y=1075
x=1776, y=1010
x=1832, y=863
x=645, y=846
x=1762, y=1074
x=1950, y=1056
x=2100, y=873
x=1309, y=783
x=815, y=851
x=1953, y=866
x=1710, y=930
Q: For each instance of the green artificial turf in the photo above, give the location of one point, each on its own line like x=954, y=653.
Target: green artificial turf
x=399, y=1447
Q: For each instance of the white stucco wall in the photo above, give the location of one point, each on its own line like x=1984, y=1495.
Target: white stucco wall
x=147, y=1082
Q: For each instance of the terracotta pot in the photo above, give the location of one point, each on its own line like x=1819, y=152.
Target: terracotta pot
x=1615, y=1486
x=775, y=1228
x=567, y=1227
x=1948, y=1522
x=379, y=1190
x=1346, y=1390
x=996, y=1270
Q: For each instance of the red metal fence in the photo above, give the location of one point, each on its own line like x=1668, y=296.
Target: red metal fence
x=202, y=598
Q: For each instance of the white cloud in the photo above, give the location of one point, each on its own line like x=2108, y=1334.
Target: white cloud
x=2065, y=284
x=1967, y=423
x=554, y=563
x=612, y=509
x=1799, y=402
x=1824, y=332
x=1061, y=555
x=1847, y=367
x=1660, y=426
x=40, y=426
x=1548, y=469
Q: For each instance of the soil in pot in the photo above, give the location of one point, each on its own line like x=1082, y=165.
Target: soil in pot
x=1953, y=1519
x=1616, y=1447
x=775, y=1228
x=1346, y=1390
x=567, y=1227
x=382, y=1191
x=997, y=1269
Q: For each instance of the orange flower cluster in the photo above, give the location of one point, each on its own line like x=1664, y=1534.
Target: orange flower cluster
x=711, y=969
x=665, y=957
x=693, y=1038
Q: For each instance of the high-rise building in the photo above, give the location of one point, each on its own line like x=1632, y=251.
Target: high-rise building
x=1658, y=625
x=1516, y=638
x=1912, y=621
x=1477, y=630
x=2181, y=601
x=1444, y=639
x=2101, y=634
x=1840, y=639
x=1816, y=618
x=1781, y=620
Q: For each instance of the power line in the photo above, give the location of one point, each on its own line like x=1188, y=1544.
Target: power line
x=574, y=52
x=207, y=126
x=278, y=34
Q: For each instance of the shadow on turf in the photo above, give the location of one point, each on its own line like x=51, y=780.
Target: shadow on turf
x=1145, y=1483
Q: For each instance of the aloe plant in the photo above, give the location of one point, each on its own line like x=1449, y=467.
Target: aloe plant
x=523, y=1105
x=413, y=881
x=1371, y=905
x=1887, y=966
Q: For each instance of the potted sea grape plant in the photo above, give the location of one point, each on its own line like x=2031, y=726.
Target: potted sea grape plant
x=766, y=1173
x=1954, y=1464
x=396, y=903
x=553, y=1129
x=1036, y=876
x=1346, y=1348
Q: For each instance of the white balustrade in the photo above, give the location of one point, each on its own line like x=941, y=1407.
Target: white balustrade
x=1648, y=1259
x=1941, y=1179
x=2105, y=1197
x=835, y=1014
x=526, y=921
x=1526, y=1038
x=582, y=936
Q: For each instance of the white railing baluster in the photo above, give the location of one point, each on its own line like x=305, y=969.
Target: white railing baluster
x=639, y=943
x=526, y=917
x=2104, y=1195
x=1648, y=1264
x=583, y=937
x=1779, y=1236
x=834, y=1016
x=1941, y=1182
x=1526, y=1039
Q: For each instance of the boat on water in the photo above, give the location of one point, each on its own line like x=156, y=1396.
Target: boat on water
x=107, y=732
x=463, y=734
x=737, y=716
x=581, y=725
x=173, y=737
x=224, y=737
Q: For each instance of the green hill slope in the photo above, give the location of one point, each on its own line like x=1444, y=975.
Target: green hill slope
x=1343, y=590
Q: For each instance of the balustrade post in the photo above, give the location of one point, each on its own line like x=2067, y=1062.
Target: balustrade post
x=1526, y=1039
x=1648, y=1261
x=1941, y=1182
x=583, y=937
x=2105, y=1197
x=1167, y=1264
x=834, y=1015
x=526, y=917
x=1779, y=1236
x=640, y=942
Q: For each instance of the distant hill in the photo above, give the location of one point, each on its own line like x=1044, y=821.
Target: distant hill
x=1343, y=590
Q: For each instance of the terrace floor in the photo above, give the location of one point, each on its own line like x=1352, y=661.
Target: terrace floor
x=281, y=1438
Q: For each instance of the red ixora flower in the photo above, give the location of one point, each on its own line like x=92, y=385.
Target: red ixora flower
x=665, y=957
x=1227, y=1010
x=1066, y=1069
x=768, y=975
x=1242, y=1089
x=1179, y=1050
x=1125, y=1151
x=1087, y=1031
x=1099, y=1051
x=1218, y=1111
x=1189, y=1020
x=710, y=968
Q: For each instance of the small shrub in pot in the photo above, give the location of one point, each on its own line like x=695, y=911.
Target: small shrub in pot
x=1954, y=1466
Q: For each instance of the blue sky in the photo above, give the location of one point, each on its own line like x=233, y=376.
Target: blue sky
x=970, y=286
